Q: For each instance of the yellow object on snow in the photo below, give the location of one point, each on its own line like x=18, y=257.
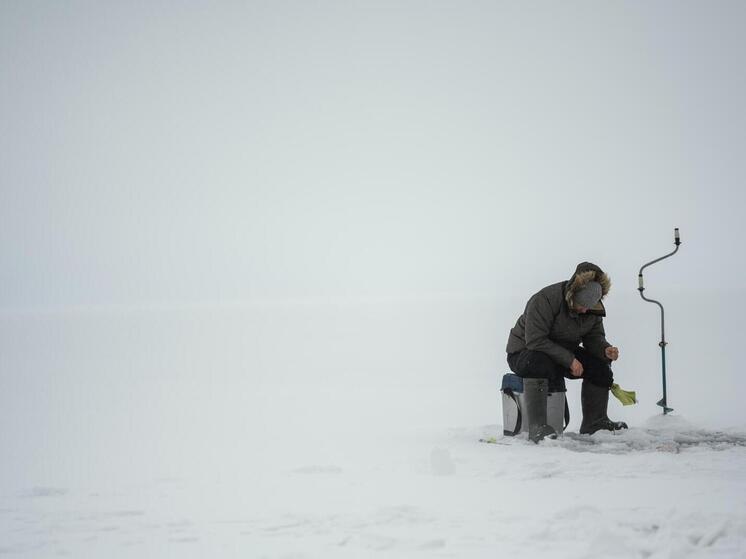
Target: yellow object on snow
x=626, y=397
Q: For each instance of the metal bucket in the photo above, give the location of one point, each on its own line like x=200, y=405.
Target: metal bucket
x=514, y=419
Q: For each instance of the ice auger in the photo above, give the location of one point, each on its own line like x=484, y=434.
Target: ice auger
x=677, y=241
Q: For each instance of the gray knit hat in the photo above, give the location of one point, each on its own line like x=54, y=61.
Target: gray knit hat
x=589, y=295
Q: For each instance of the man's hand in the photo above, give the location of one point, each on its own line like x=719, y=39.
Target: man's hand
x=576, y=368
x=612, y=353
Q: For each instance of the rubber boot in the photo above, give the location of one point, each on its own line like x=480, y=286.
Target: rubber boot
x=535, y=398
x=594, y=401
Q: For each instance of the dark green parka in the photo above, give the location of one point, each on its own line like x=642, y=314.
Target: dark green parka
x=551, y=326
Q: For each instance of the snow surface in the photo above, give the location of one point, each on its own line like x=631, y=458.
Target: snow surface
x=349, y=431
x=666, y=490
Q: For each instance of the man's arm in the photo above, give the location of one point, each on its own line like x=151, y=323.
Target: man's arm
x=595, y=340
x=539, y=320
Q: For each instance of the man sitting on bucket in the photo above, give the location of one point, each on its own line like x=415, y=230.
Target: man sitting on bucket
x=545, y=343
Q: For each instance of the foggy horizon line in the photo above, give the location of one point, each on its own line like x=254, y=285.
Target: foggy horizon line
x=315, y=301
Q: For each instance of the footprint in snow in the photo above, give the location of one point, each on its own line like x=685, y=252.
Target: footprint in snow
x=36, y=492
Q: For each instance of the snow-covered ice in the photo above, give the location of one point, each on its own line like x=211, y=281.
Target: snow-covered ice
x=643, y=493
x=276, y=432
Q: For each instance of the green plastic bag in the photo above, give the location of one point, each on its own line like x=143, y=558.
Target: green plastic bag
x=626, y=397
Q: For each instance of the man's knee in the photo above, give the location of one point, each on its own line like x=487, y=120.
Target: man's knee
x=535, y=364
x=596, y=370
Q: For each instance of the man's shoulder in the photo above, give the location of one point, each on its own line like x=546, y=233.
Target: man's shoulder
x=554, y=294
x=554, y=291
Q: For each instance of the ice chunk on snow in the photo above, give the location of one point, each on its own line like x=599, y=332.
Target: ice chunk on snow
x=441, y=463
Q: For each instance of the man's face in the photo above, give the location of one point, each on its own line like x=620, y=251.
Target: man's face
x=580, y=309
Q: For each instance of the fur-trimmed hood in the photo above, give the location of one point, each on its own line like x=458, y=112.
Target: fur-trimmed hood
x=585, y=273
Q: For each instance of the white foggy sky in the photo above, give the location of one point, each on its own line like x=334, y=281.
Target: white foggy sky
x=186, y=152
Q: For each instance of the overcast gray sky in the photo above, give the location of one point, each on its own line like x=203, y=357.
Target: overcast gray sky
x=187, y=152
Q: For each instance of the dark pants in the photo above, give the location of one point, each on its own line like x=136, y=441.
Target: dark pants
x=535, y=364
